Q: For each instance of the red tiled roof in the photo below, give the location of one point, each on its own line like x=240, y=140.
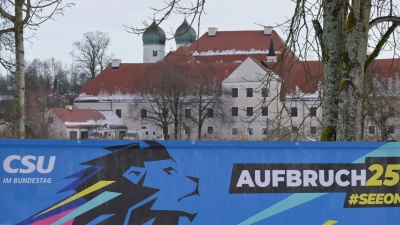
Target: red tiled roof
x=238, y=41
x=113, y=80
x=306, y=75
x=303, y=75
x=122, y=80
x=78, y=117
x=181, y=55
x=389, y=68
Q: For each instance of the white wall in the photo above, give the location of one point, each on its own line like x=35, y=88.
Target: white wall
x=250, y=75
x=148, y=53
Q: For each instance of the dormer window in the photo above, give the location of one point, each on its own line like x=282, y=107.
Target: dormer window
x=154, y=53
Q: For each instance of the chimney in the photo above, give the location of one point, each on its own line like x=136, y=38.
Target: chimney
x=115, y=63
x=267, y=30
x=69, y=107
x=212, y=31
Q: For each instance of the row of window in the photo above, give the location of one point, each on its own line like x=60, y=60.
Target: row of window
x=188, y=113
x=264, y=111
x=371, y=129
x=235, y=112
x=249, y=111
x=294, y=110
x=249, y=92
x=313, y=129
x=210, y=113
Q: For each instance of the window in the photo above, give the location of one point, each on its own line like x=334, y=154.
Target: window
x=391, y=129
x=313, y=111
x=294, y=129
x=294, y=111
x=249, y=92
x=249, y=111
x=73, y=135
x=143, y=127
x=264, y=92
x=118, y=112
x=188, y=130
x=188, y=113
x=235, y=92
x=235, y=111
x=234, y=131
x=143, y=113
x=50, y=119
x=84, y=134
x=313, y=130
x=250, y=131
x=264, y=111
x=371, y=130
x=210, y=130
x=264, y=131
x=210, y=113
x=154, y=53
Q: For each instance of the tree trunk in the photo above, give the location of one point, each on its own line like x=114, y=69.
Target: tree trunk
x=352, y=83
x=165, y=132
x=176, y=120
x=335, y=13
x=199, y=132
x=19, y=130
x=200, y=121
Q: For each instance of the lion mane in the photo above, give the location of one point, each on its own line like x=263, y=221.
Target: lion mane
x=105, y=175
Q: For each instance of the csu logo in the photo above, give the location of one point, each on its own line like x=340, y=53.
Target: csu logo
x=28, y=164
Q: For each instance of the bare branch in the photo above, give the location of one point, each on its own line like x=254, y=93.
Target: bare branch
x=378, y=20
x=379, y=46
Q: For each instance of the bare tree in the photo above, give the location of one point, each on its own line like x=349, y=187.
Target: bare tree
x=15, y=16
x=174, y=77
x=6, y=106
x=46, y=88
x=91, y=54
x=162, y=97
x=208, y=97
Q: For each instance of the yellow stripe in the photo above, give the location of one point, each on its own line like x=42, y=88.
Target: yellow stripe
x=87, y=191
x=330, y=222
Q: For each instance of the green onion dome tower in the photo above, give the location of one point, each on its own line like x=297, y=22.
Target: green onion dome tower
x=153, y=44
x=185, y=35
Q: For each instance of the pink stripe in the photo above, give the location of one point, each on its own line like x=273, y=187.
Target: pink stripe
x=54, y=218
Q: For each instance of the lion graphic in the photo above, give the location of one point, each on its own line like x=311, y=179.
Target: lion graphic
x=131, y=185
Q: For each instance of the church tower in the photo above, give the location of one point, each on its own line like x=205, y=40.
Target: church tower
x=153, y=44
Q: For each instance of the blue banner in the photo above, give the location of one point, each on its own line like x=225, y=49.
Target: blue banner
x=198, y=182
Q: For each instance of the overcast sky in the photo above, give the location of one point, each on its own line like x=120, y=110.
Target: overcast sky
x=55, y=38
